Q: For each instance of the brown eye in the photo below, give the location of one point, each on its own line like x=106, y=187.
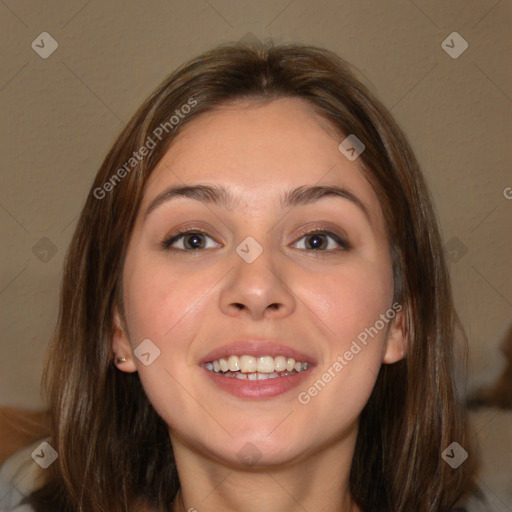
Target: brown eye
x=319, y=241
x=191, y=240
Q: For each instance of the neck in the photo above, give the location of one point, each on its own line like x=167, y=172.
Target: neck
x=350, y=506
x=317, y=482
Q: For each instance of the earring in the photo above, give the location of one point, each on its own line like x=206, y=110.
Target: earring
x=121, y=360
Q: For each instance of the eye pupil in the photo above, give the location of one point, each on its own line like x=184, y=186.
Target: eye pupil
x=319, y=240
x=196, y=241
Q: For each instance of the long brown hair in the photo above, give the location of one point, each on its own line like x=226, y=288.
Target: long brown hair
x=114, y=449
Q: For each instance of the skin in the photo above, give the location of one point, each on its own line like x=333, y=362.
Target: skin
x=186, y=303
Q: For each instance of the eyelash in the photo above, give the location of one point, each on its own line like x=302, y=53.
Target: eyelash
x=166, y=243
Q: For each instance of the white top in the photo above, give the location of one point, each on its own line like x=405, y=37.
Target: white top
x=20, y=475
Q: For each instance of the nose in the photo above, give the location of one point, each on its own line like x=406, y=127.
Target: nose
x=258, y=289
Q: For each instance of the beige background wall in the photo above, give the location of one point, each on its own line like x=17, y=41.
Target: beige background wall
x=60, y=114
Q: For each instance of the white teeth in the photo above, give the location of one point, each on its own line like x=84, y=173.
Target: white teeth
x=248, y=364
x=280, y=363
x=223, y=365
x=256, y=368
x=265, y=364
x=233, y=363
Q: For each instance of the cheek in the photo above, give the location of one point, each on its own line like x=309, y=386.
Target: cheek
x=350, y=307
x=161, y=305
x=158, y=299
x=350, y=300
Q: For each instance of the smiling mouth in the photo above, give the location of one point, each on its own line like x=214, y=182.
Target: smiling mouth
x=256, y=368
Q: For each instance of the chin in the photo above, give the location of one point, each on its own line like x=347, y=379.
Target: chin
x=252, y=455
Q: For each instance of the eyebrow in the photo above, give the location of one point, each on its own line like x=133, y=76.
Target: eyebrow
x=221, y=196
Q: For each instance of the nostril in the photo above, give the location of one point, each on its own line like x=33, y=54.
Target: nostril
x=240, y=306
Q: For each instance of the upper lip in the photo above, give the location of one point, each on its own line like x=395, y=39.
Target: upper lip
x=256, y=348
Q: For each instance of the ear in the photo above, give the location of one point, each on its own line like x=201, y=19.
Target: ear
x=397, y=340
x=121, y=344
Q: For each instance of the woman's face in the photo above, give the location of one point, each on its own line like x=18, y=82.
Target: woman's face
x=249, y=281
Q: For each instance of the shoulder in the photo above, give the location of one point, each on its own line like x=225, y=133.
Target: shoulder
x=20, y=475
x=477, y=502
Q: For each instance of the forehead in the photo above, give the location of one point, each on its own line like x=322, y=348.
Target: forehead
x=259, y=150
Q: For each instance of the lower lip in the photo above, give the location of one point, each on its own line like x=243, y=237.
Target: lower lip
x=268, y=388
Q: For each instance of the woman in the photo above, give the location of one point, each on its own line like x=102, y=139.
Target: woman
x=256, y=309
